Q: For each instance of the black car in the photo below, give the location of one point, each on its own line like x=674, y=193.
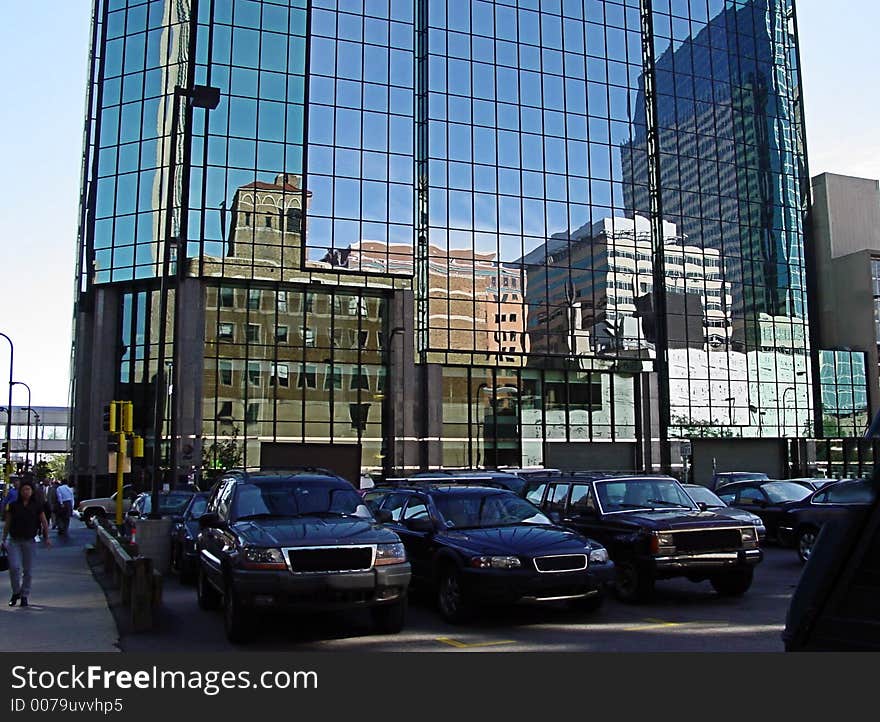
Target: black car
x=653, y=530
x=800, y=523
x=767, y=499
x=184, y=559
x=709, y=499
x=477, y=545
x=722, y=478
x=501, y=479
x=296, y=540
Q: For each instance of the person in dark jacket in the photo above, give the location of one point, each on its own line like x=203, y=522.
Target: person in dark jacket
x=25, y=518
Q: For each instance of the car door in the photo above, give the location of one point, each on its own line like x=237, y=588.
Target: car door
x=419, y=542
x=582, y=513
x=755, y=500
x=212, y=540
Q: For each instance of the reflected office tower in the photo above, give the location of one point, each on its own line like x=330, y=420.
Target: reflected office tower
x=424, y=234
x=603, y=305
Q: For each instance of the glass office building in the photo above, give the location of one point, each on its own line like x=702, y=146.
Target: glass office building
x=443, y=233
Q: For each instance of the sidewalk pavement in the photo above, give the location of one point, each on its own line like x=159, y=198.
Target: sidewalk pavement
x=67, y=609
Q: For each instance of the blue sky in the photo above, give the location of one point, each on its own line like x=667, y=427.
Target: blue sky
x=44, y=46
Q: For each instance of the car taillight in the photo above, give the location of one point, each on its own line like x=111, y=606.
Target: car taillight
x=134, y=534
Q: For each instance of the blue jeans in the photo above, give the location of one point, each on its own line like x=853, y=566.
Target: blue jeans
x=22, y=553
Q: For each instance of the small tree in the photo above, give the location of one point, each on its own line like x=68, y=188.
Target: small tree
x=223, y=454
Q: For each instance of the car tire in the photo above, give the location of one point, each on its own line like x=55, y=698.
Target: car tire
x=390, y=618
x=633, y=585
x=208, y=597
x=806, y=539
x=237, y=621
x=588, y=605
x=450, y=597
x=733, y=584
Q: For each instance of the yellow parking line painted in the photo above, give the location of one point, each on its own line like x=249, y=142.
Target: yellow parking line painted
x=462, y=645
x=655, y=625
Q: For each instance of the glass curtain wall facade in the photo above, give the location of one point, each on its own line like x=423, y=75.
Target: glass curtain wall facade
x=536, y=179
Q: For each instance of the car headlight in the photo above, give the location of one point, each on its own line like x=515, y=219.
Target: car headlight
x=393, y=553
x=506, y=562
x=662, y=542
x=262, y=558
x=599, y=556
x=749, y=535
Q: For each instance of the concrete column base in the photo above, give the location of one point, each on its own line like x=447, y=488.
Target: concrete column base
x=153, y=539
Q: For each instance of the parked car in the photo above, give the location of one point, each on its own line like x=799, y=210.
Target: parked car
x=184, y=559
x=710, y=500
x=767, y=499
x=721, y=478
x=296, y=540
x=476, y=545
x=800, y=523
x=171, y=503
x=500, y=479
x=90, y=509
x=653, y=530
x=815, y=483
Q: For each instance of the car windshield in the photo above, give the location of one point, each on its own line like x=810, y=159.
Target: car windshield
x=470, y=511
x=293, y=498
x=171, y=504
x=617, y=495
x=707, y=496
x=779, y=491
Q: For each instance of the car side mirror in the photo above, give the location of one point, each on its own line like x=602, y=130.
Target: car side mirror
x=208, y=521
x=703, y=506
x=420, y=524
x=383, y=516
x=555, y=517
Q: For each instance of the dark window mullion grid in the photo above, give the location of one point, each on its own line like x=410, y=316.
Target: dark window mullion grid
x=215, y=363
x=361, y=301
x=137, y=211
x=202, y=200
x=164, y=143
x=470, y=416
x=330, y=368
x=566, y=401
x=274, y=375
x=612, y=401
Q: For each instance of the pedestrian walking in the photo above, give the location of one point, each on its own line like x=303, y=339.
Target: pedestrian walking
x=24, y=519
x=52, y=503
x=64, y=496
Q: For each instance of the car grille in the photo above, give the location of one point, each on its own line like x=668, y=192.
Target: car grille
x=561, y=563
x=707, y=540
x=330, y=559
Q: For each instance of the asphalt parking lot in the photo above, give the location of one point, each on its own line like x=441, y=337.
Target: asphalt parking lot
x=683, y=617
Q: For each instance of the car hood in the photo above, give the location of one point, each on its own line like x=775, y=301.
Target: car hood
x=672, y=519
x=520, y=540
x=95, y=502
x=738, y=514
x=313, y=531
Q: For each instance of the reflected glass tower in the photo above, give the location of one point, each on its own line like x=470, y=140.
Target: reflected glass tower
x=422, y=233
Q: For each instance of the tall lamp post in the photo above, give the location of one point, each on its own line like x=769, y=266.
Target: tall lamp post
x=27, y=437
x=199, y=96
x=6, y=468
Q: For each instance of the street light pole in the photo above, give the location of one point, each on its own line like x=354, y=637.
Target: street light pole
x=27, y=437
x=9, y=412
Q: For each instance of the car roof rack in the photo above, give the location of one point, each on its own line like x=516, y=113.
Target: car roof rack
x=282, y=470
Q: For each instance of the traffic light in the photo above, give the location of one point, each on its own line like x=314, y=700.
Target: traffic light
x=137, y=447
x=110, y=417
x=127, y=416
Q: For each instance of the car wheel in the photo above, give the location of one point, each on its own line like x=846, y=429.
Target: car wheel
x=208, y=597
x=236, y=619
x=632, y=584
x=589, y=605
x=806, y=538
x=733, y=584
x=390, y=618
x=450, y=597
